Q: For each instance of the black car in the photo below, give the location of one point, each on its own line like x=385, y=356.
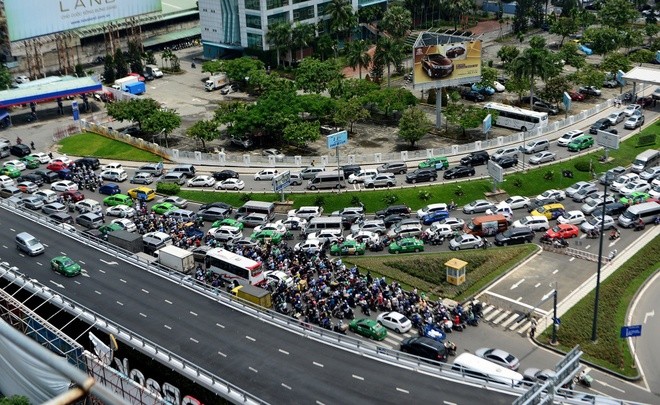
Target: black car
x=473, y=96
x=612, y=209
x=425, y=347
x=421, y=175
x=402, y=210
x=48, y=176
x=437, y=65
x=508, y=161
x=350, y=169
x=34, y=178
x=224, y=175
x=20, y=150
x=147, y=76
x=392, y=219
x=540, y=202
x=217, y=204
x=458, y=171
x=90, y=162
x=479, y=157
x=514, y=236
x=602, y=125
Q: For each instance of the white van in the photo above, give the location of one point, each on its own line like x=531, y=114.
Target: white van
x=321, y=223
x=469, y=365
x=569, y=136
x=644, y=160
x=88, y=205
x=647, y=211
x=535, y=223
x=327, y=180
x=502, y=209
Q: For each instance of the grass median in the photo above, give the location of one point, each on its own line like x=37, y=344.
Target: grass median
x=616, y=294
x=90, y=144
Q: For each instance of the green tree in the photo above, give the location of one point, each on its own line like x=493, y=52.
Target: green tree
x=135, y=57
x=642, y=56
x=507, y=54
x=314, y=76
x=617, y=13
x=468, y=116
x=325, y=46
x=302, y=35
x=589, y=76
x=569, y=53
x=555, y=88
x=135, y=110
x=213, y=66
x=614, y=62
x=167, y=56
x=15, y=400
x=521, y=18
x=535, y=62
x=149, y=57
x=348, y=112
x=565, y=26
x=342, y=19
x=389, y=100
x=518, y=85
x=162, y=122
x=358, y=55
x=6, y=78
x=414, y=124
x=109, y=69
x=396, y=21
x=651, y=31
x=204, y=131
x=388, y=52
x=279, y=37
x=121, y=67
x=238, y=69
x=602, y=39
x=488, y=76
x=301, y=133
x=348, y=88
x=630, y=38
x=317, y=106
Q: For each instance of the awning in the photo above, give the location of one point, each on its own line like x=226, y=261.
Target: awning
x=173, y=36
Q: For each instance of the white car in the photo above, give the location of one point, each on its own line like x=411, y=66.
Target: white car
x=201, y=181
x=439, y=229
x=142, y=178
x=364, y=237
x=430, y=209
x=126, y=224
x=654, y=192
x=64, y=185
x=455, y=223
x=572, y=218
x=616, y=117
x=230, y=184
x=292, y=223
x=557, y=195
x=517, y=202
x=499, y=87
x=624, y=179
x=178, y=201
x=542, y=157
x=631, y=109
x=114, y=175
x=273, y=152
x=40, y=157
x=594, y=223
x=120, y=210
x=226, y=233
x=635, y=186
x=395, y=321
x=362, y=175
x=48, y=196
x=634, y=121
x=309, y=246
x=266, y=174
x=271, y=226
x=306, y=212
x=465, y=241
x=595, y=201
x=568, y=137
x=6, y=181
x=650, y=174
x=572, y=190
x=278, y=276
x=326, y=236
x=112, y=165
x=16, y=164
x=478, y=206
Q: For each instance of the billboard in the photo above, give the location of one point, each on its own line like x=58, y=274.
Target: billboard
x=449, y=64
x=33, y=18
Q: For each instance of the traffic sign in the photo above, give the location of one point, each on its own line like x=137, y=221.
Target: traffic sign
x=337, y=139
x=487, y=123
x=495, y=171
x=76, y=111
x=566, y=99
x=281, y=181
x=631, y=331
x=607, y=140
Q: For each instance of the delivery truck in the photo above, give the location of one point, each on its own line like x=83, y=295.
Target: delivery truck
x=154, y=71
x=253, y=294
x=126, y=240
x=216, y=81
x=136, y=88
x=120, y=84
x=176, y=258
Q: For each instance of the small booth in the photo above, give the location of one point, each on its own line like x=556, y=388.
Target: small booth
x=456, y=271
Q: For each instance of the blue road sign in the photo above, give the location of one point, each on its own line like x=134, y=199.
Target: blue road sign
x=487, y=123
x=566, y=99
x=620, y=79
x=76, y=112
x=631, y=331
x=337, y=139
x=557, y=321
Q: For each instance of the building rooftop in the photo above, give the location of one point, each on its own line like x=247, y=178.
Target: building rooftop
x=49, y=88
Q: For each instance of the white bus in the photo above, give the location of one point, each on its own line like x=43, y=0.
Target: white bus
x=518, y=118
x=234, y=268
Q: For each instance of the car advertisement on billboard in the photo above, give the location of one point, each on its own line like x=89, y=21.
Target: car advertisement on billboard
x=454, y=63
x=34, y=18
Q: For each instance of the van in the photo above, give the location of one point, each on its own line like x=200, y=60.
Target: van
x=29, y=244
x=256, y=207
x=645, y=160
x=538, y=145
x=487, y=225
x=569, y=137
x=176, y=178
x=4, y=150
x=647, y=212
x=409, y=230
x=467, y=364
x=327, y=180
x=322, y=223
x=182, y=215
x=503, y=209
x=155, y=169
x=537, y=223
x=88, y=205
x=187, y=170
x=309, y=173
x=90, y=220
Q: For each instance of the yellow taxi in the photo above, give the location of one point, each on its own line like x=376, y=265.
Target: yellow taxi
x=550, y=211
x=142, y=193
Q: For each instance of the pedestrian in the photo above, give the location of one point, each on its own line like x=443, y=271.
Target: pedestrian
x=532, y=330
x=312, y=164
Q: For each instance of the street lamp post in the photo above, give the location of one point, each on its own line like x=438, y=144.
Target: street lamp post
x=594, y=327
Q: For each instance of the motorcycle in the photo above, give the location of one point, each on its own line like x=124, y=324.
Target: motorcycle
x=583, y=379
x=614, y=235
x=451, y=348
x=436, y=240
x=640, y=226
x=593, y=234
x=340, y=328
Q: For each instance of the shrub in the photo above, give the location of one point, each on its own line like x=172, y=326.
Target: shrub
x=245, y=197
x=549, y=175
x=168, y=188
x=458, y=191
x=424, y=195
x=355, y=201
x=320, y=201
x=390, y=198
x=517, y=182
x=646, y=140
x=583, y=166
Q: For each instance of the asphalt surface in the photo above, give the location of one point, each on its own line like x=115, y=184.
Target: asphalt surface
x=239, y=348
x=643, y=312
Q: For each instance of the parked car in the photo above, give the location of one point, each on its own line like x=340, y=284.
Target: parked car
x=459, y=171
x=499, y=356
x=465, y=241
x=590, y=91
x=581, y=143
x=480, y=157
x=473, y=96
x=420, y=175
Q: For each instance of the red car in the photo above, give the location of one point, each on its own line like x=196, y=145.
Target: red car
x=57, y=166
x=139, y=76
x=562, y=231
x=74, y=195
x=575, y=96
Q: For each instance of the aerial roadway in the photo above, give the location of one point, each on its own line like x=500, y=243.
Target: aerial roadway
x=265, y=360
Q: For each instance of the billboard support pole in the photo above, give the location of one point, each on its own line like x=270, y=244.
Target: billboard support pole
x=438, y=107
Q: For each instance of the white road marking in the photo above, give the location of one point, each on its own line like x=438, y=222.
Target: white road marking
x=83, y=272
x=571, y=259
x=402, y=390
x=253, y=369
x=556, y=271
x=5, y=246
x=145, y=291
x=122, y=280
x=519, y=299
x=12, y=229
x=517, y=284
x=587, y=247
x=194, y=340
x=319, y=403
x=102, y=271
x=250, y=338
x=107, y=262
x=98, y=292
x=609, y=386
x=283, y=351
x=192, y=313
x=81, y=262
x=143, y=315
x=120, y=303
x=286, y=386
x=584, y=235
x=318, y=364
x=168, y=327
x=449, y=403
x=222, y=354
x=57, y=284
x=537, y=285
x=222, y=326
x=357, y=377
x=39, y=264
x=648, y=314
x=169, y=302
x=76, y=281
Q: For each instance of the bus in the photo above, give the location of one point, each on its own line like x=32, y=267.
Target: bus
x=518, y=118
x=234, y=268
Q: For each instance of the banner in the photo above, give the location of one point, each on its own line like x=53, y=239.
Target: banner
x=438, y=63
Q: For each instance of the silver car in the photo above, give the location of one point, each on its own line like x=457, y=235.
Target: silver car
x=465, y=241
x=142, y=178
x=478, y=206
x=380, y=180
x=542, y=157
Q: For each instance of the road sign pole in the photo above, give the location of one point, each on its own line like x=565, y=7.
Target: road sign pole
x=338, y=174
x=554, y=317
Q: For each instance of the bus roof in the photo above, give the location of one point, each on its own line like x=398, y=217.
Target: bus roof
x=232, y=258
x=504, y=107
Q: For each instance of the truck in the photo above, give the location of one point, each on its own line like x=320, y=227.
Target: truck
x=136, y=88
x=176, y=258
x=154, y=71
x=215, y=82
x=120, y=84
x=126, y=240
x=253, y=294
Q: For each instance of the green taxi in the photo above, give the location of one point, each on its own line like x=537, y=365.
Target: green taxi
x=348, y=247
x=64, y=265
x=117, y=199
x=30, y=162
x=10, y=171
x=437, y=163
x=368, y=328
x=580, y=143
x=163, y=208
x=106, y=229
x=637, y=197
x=266, y=235
x=406, y=245
x=228, y=222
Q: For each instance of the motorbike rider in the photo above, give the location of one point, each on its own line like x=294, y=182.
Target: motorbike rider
x=640, y=224
x=614, y=233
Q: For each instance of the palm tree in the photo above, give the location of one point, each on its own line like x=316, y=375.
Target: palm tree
x=535, y=61
x=358, y=55
x=302, y=35
x=279, y=36
x=388, y=52
x=396, y=21
x=342, y=18
x=166, y=55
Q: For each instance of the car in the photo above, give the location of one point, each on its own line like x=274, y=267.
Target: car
x=576, y=96
x=573, y=217
x=624, y=179
x=437, y=163
x=179, y=202
x=513, y=236
x=274, y=153
x=380, y=180
x=118, y=199
x=226, y=222
x=601, y=125
x=434, y=216
x=465, y=241
x=73, y=195
x=349, y=215
x=10, y=171
x=476, y=158
x=585, y=193
x=20, y=150
x=459, y=171
x=254, y=219
x=47, y=196
x=306, y=212
x=499, y=87
x=616, y=117
x=636, y=197
x=438, y=229
x=631, y=109
x=508, y=161
x=64, y=185
x=547, y=108
x=485, y=90
x=362, y=175
x=595, y=223
x=420, y=175
x=562, y=231
x=53, y=207
x=473, y=95
x=65, y=160
x=376, y=226
x=552, y=194
x=278, y=277
x=109, y=189
x=635, y=186
x=214, y=214
x=244, y=143
x=30, y=162
x=56, y=166
x=218, y=204
x=267, y=235
x=571, y=190
x=453, y=222
x=406, y=245
x=155, y=169
x=581, y=143
x=400, y=209
x=425, y=347
x=27, y=187
x=266, y=174
x=230, y=184
x=348, y=247
x=538, y=375
x=542, y=157
x=226, y=234
x=201, y=181
x=431, y=208
x=6, y=181
x=655, y=192
x=478, y=206
x=33, y=202
x=611, y=174
x=550, y=211
x=48, y=176
x=634, y=121
x=590, y=91
x=656, y=94
x=292, y=223
x=610, y=83
x=114, y=175
x=394, y=321
x=499, y=356
x=121, y=211
x=88, y=162
x=437, y=65
x=594, y=201
x=393, y=168
x=142, y=193
x=271, y=226
x=455, y=52
x=105, y=229
x=368, y=328
x=163, y=208
x=505, y=152
x=310, y=246
x=142, y=178
x=517, y=202
x=65, y=266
